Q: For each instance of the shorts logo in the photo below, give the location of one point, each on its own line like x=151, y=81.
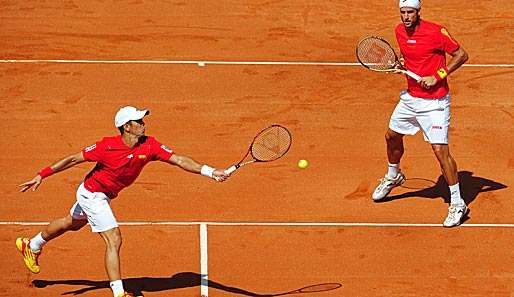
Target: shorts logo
x=90, y=148
x=437, y=127
x=411, y=41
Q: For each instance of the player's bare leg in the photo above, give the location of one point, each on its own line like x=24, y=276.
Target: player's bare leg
x=60, y=226
x=448, y=164
x=458, y=208
x=113, y=242
x=394, y=176
x=395, y=147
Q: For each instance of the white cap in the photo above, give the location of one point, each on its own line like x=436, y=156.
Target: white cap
x=410, y=3
x=129, y=113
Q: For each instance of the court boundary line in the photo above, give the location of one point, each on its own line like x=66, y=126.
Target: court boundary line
x=204, y=63
x=276, y=224
x=204, y=262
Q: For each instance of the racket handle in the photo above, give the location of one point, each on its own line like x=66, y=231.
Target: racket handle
x=231, y=169
x=413, y=75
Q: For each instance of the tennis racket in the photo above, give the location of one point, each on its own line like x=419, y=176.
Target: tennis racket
x=270, y=144
x=313, y=289
x=376, y=54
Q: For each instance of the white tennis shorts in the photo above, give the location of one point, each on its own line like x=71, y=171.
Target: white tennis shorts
x=432, y=116
x=95, y=208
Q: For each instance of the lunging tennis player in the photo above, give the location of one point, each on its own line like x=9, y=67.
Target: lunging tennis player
x=119, y=161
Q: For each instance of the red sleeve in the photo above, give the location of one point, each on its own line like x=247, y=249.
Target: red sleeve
x=160, y=151
x=448, y=44
x=94, y=152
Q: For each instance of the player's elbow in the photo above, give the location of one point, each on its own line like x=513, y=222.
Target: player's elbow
x=463, y=55
x=76, y=158
x=177, y=160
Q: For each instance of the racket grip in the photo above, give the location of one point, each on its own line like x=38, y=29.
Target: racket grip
x=413, y=75
x=231, y=169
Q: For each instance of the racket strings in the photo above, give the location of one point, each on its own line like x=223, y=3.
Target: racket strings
x=376, y=54
x=271, y=144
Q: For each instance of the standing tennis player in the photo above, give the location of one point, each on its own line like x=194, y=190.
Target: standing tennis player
x=119, y=161
x=425, y=105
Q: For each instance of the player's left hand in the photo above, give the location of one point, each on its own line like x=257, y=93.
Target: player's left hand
x=33, y=183
x=220, y=175
x=397, y=69
x=427, y=82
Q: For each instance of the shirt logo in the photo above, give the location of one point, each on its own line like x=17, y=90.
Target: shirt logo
x=130, y=156
x=90, y=148
x=141, y=156
x=447, y=34
x=412, y=41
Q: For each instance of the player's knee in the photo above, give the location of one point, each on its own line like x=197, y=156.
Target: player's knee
x=77, y=224
x=113, y=238
x=440, y=150
x=67, y=223
x=392, y=137
x=442, y=153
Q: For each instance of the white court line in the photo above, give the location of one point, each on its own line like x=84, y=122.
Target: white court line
x=204, y=281
x=279, y=224
x=219, y=62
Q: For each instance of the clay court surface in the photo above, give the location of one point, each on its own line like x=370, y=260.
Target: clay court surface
x=271, y=228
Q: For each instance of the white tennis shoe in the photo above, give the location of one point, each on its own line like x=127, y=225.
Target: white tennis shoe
x=455, y=215
x=386, y=185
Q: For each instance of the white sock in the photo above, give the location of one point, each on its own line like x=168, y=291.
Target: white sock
x=392, y=170
x=455, y=198
x=37, y=243
x=117, y=287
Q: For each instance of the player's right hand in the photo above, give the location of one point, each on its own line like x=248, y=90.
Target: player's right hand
x=220, y=175
x=35, y=182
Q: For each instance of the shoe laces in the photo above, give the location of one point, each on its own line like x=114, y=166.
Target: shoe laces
x=385, y=181
x=453, y=210
x=451, y=213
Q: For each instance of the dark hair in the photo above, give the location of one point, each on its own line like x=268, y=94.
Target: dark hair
x=121, y=129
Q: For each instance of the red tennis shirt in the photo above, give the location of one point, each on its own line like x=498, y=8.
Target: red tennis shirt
x=118, y=165
x=424, y=52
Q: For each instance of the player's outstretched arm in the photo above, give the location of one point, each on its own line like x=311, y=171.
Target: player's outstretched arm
x=191, y=165
x=60, y=165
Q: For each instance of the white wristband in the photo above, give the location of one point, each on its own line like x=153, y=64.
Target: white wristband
x=207, y=171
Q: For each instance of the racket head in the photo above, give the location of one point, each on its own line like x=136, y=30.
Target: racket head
x=375, y=53
x=271, y=143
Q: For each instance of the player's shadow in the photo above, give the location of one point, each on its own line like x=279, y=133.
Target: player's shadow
x=470, y=187
x=140, y=285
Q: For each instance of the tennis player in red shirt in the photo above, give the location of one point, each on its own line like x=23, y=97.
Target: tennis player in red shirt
x=425, y=105
x=119, y=161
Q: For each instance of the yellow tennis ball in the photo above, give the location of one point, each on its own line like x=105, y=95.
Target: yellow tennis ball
x=302, y=164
